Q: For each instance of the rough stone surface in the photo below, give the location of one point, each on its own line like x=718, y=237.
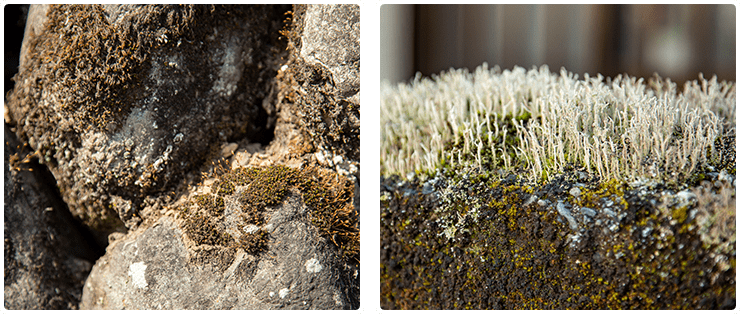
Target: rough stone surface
x=615, y=247
x=157, y=123
x=122, y=100
x=321, y=82
x=46, y=258
x=153, y=268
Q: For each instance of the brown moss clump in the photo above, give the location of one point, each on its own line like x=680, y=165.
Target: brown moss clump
x=330, y=198
x=214, y=205
x=256, y=242
x=201, y=230
x=327, y=195
x=268, y=185
x=94, y=61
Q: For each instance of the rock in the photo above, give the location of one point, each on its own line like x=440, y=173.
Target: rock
x=320, y=83
x=152, y=119
x=632, y=248
x=575, y=191
x=46, y=257
x=565, y=212
x=154, y=268
x=227, y=150
x=588, y=212
x=125, y=100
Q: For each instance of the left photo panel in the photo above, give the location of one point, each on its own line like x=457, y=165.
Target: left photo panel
x=174, y=157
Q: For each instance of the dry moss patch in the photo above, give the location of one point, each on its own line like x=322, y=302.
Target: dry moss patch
x=327, y=196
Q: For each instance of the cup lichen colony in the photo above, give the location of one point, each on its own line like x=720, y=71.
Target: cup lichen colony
x=539, y=122
x=525, y=189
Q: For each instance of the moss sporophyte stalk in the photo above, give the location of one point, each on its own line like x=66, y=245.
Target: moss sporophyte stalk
x=327, y=196
x=532, y=190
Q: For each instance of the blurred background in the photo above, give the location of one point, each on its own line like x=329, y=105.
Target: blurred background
x=675, y=41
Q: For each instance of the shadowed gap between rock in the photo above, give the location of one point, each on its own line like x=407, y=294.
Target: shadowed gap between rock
x=266, y=136
x=15, y=23
x=46, y=178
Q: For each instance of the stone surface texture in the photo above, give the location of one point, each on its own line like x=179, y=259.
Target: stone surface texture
x=320, y=84
x=143, y=113
x=122, y=100
x=152, y=268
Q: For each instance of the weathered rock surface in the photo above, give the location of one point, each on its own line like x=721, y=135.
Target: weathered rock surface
x=122, y=100
x=152, y=268
x=46, y=257
x=320, y=84
x=155, y=121
x=540, y=247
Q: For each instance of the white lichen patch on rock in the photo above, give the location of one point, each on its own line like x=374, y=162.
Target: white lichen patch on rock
x=250, y=228
x=344, y=167
x=138, y=136
x=231, y=68
x=136, y=271
x=313, y=266
x=283, y=292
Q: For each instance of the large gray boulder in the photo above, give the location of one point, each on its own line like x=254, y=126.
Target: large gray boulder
x=153, y=268
x=121, y=101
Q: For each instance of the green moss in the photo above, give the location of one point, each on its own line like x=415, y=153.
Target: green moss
x=679, y=214
x=593, y=198
x=211, y=204
x=222, y=187
x=268, y=186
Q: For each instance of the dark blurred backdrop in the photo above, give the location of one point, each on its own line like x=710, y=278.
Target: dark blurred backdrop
x=676, y=41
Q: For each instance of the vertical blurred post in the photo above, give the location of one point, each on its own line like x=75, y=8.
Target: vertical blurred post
x=396, y=42
x=725, y=44
x=440, y=43
x=483, y=35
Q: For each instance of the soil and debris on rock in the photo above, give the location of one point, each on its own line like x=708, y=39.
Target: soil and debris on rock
x=573, y=243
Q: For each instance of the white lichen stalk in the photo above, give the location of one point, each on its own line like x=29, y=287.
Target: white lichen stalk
x=621, y=128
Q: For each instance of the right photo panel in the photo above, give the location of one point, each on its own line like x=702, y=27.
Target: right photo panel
x=557, y=157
